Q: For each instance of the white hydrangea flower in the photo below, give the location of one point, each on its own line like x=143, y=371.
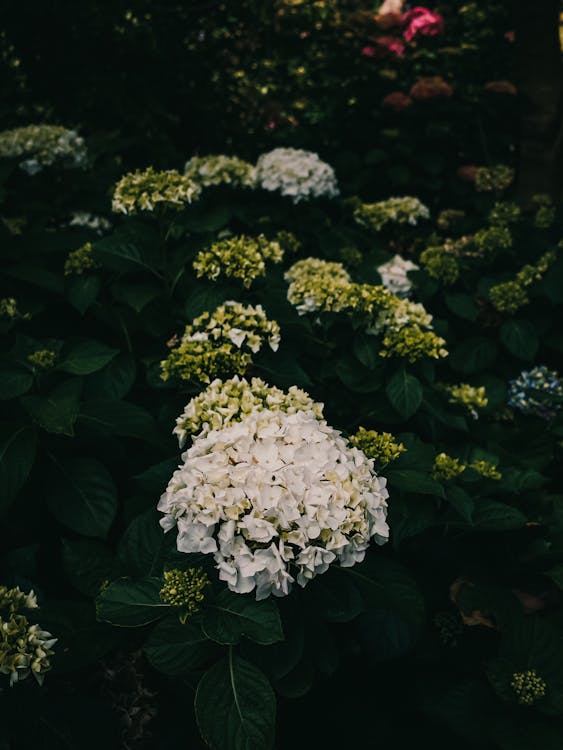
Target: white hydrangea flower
x=394, y=274
x=296, y=173
x=43, y=145
x=276, y=498
x=227, y=401
x=85, y=219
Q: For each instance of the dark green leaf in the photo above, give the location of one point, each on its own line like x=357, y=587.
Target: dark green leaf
x=232, y=615
x=490, y=515
x=58, y=411
x=17, y=454
x=473, y=355
x=175, y=648
x=130, y=603
x=83, y=291
x=235, y=706
x=141, y=547
x=86, y=357
x=404, y=393
x=83, y=496
x=119, y=418
x=519, y=337
x=14, y=381
x=88, y=564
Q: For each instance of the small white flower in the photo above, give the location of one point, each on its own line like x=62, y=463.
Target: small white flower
x=296, y=173
x=394, y=274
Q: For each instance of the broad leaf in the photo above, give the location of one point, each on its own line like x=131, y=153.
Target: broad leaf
x=131, y=603
x=232, y=615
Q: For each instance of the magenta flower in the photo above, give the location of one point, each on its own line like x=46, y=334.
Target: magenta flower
x=422, y=22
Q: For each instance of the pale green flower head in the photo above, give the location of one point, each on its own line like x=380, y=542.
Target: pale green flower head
x=43, y=145
x=209, y=171
x=242, y=258
x=149, y=189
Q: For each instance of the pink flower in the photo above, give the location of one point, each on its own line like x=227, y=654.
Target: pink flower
x=510, y=36
x=369, y=51
x=468, y=172
x=431, y=87
x=422, y=22
x=391, y=45
x=397, y=101
x=501, y=87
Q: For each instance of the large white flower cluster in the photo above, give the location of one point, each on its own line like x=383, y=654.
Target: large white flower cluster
x=208, y=171
x=296, y=173
x=43, y=145
x=276, y=498
x=394, y=275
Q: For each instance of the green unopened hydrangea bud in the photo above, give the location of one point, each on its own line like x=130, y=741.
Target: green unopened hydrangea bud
x=184, y=588
x=351, y=256
x=404, y=210
x=8, y=308
x=528, y=686
x=13, y=599
x=208, y=171
x=242, y=258
x=381, y=446
x=440, y=265
x=447, y=467
x=203, y=361
x=504, y=214
x=494, y=238
x=147, y=190
x=413, y=343
x=80, y=260
x=287, y=241
x=486, y=469
x=545, y=214
x=498, y=177
x=470, y=397
x=42, y=359
x=509, y=296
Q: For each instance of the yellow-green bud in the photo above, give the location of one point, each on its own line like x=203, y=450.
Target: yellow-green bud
x=528, y=686
x=380, y=446
x=184, y=588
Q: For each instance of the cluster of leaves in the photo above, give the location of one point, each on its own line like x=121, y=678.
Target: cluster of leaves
x=87, y=449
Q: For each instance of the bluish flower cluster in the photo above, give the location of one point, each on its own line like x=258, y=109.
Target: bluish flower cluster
x=538, y=391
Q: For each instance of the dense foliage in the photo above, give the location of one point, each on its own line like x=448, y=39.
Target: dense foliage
x=336, y=375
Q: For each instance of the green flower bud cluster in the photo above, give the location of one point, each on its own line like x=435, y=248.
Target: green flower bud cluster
x=242, y=258
x=545, y=213
x=528, y=686
x=287, y=241
x=447, y=467
x=149, y=189
x=493, y=238
x=321, y=286
x=351, y=256
x=208, y=171
x=449, y=219
x=486, y=469
x=381, y=446
x=405, y=210
x=202, y=361
x=470, y=397
x=217, y=344
x=505, y=213
x=224, y=402
x=80, y=260
x=24, y=648
x=498, y=177
x=9, y=309
x=509, y=296
x=43, y=145
x=440, y=264
x=42, y=359
x=185, y=589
